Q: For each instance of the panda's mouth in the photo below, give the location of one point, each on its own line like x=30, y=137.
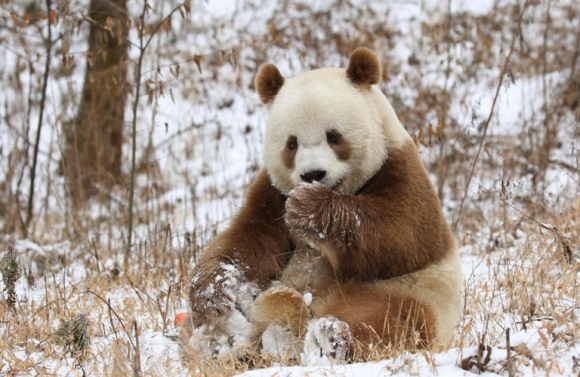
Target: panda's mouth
x=330, y=181
x=336, y=186
x=329, y=185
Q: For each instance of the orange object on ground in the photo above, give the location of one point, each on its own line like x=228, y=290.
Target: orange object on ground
x=180, y=318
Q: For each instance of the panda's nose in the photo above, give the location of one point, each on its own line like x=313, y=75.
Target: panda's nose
x=315, y=175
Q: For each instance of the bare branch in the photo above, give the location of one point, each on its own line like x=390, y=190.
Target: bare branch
x=29, y=211
x=488, y=121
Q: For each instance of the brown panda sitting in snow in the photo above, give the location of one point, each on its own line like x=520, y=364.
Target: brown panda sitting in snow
x=341, y=239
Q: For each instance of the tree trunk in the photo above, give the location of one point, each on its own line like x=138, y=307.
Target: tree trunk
x=94, y=139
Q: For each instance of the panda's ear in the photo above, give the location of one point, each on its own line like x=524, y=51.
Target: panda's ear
x=269, y=81
x=364, y=68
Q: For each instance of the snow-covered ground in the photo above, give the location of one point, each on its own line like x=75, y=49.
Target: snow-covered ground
x=206, y=140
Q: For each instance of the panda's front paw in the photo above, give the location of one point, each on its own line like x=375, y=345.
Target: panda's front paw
x=307, y=210
x=213, y=292
x=328, y=338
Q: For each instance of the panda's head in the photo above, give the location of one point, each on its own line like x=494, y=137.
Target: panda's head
x=329, y=125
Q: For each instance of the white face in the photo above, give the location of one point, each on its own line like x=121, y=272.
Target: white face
x=319, y=155
x=322, y=128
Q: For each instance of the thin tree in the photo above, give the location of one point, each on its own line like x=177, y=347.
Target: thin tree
x=94, y=139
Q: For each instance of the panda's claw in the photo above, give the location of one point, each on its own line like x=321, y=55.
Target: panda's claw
x=329, y=337
x=213, y=293
x=307, y=210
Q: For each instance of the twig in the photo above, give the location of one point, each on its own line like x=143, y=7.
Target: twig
x=488, y=121
x=159, y=24
x=37, y=141
x=111, y=318
x=510, y=366
x=576, y=363
x=134, y=138
x=164, y=313
x=96, y=255
x=115, y=313
x=561, y=239
x=11, y=272
x=566, y=166
x=137, y=356
x=142, y=47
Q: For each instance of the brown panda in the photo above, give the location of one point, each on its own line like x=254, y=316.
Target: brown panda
x=341, y=238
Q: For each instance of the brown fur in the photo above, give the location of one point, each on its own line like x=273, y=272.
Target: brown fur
x=364, y=68
x=378, y=316
x=269, y=81
x=375, y=314
x=339, y=145
x=283, y=306
x=399, y=229
x=257, y=237
x=308, y=271
x=289, y=152
x=393, y=226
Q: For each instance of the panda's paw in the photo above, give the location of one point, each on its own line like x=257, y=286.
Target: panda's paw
x=213, y=293
x=307, y=210
x=280, y=342
x=232, y=336
x=219, y=322
x=328, y=339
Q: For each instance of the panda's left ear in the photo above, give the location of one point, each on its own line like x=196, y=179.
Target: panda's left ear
x=269, y=81
x=364, y=68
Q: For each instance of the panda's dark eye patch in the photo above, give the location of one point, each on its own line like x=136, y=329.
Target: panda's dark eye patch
x=289, y=152
x=333, y=137
x=292, y=143
x=339, y=144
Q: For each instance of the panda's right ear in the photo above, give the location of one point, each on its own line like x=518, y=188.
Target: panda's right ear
x=269, y=81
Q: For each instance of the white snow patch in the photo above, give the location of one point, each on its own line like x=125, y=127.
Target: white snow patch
x=307, y=297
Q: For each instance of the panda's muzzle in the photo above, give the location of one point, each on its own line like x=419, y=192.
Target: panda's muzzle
x=314, y=175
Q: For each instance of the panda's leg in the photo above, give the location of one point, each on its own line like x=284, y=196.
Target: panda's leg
x=280, y=315
x=281, y=305
x=377, y=315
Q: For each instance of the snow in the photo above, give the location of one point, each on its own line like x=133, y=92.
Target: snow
x=444, y=366
x=307, y=298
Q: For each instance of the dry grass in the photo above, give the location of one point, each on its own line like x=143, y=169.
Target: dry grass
x=519, y=231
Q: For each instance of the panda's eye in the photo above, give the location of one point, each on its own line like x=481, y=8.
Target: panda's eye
x=292, y=143
x=332, y=137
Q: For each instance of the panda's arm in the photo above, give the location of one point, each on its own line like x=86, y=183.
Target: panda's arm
x=254, y=249
x=391, y=227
